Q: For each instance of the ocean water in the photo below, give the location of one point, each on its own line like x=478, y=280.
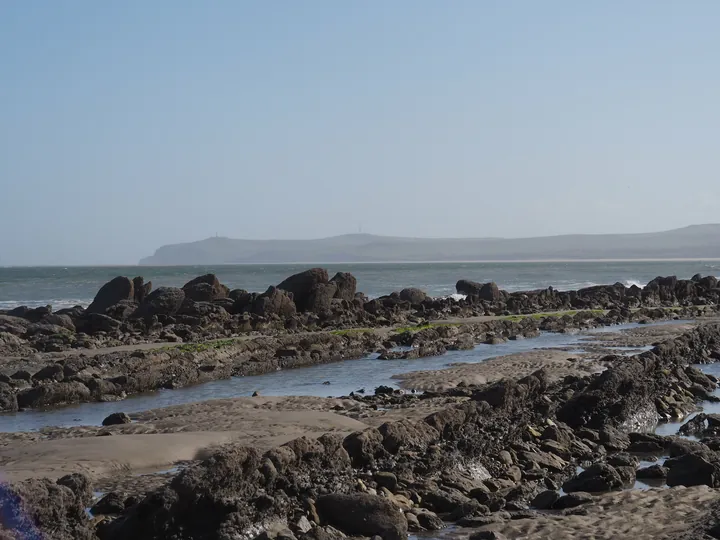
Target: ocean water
x=65, y=287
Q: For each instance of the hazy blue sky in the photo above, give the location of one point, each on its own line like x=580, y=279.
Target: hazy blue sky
x=128, y=125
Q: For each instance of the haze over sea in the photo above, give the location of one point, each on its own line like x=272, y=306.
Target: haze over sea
x=66, y=287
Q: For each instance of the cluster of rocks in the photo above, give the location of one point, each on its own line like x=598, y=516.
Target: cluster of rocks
x=503, y=453
x=661, y=291
x=128, y=311
x=114, y=375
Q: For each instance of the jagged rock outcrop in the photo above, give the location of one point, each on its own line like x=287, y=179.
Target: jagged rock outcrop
x=205, y=288
x=113, y=292
x=302, y=285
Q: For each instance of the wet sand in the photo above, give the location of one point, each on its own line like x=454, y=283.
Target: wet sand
x=161, y=438
x=558, y=363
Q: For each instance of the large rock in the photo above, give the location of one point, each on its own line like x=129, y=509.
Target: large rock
x=360, y=514
x=274, y=301
x=162, y=301
x=142, y=289
x=116, y=419
x=205, y=288
x=484, y=291
x=597, y=478
x=407, y=435
x=693, y=470
x=114, y=291
x=301, y=285
x=16, y=326
x=321, y=297
x=346, y=286
x=364, y=446
x=92, y=323
x=8, y=398
x=63, y=321
x=59, y=393
x=413, y=295
x=242, y=301
x=33, y=315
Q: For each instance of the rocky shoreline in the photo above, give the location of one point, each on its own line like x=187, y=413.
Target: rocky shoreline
x=53, y=359
x=129, y=311
x=488, y=456
x=499, y=456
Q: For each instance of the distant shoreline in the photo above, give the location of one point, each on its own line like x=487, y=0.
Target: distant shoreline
x=327, y=263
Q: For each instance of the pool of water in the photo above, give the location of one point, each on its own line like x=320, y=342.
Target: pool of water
x=708, y=407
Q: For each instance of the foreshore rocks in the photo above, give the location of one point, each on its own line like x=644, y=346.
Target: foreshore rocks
x=115, y=375
x=501, y=453
x=224, y=337
x=128, y=311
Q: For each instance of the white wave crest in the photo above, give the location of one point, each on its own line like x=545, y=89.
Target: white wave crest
x=631, y=282
x=59, y=303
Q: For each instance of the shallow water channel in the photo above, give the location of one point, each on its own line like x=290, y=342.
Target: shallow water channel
x=343, y=377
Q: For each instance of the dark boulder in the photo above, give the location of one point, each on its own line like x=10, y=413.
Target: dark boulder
x=364, y=447
x=142, y=289
x=274, y=301
x=53, y=394
x=8, y=399
x=387, y=480
x=116, y=419
x=484, y=291
x=321, y=297
x=79, y=484
x=413, y=295
x=572, y=500
x=112, y=503
x=597, y=478
x=360, y=514
x=407, y=435
x=92, y=323
x=54, y=372
x=346, y=286
x=653, y=472
x=693, y=470
x=63, y=321
x=467, y=287
x=205, y=288
x=16, y=326
x=34, y=315
x=301, y=285
x=545, y=500
x=162, y=301
x=242, y=301
x=114, y=291
x=120, y=311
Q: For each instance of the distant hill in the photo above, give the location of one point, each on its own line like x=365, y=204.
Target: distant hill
x=697, y=241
